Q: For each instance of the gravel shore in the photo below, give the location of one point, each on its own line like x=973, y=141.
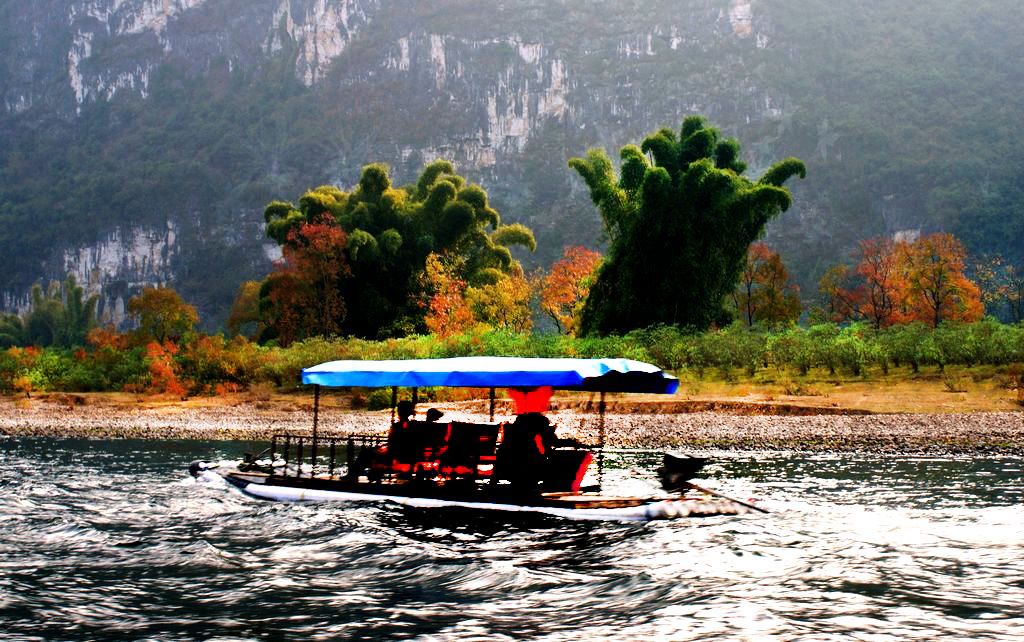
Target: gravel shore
x=957, y=433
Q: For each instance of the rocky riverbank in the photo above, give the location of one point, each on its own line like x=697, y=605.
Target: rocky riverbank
x=1001, y=432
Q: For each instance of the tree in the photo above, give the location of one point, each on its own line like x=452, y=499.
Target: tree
x=875, y=291
x=1001, y=285
x=391, y=232
x=504, y=305
x=12, y=331
x=764, y=293
x=678, y=228
x=1013, y=292
x=302, y=297
x=60, y=316
x=161, y=315
x=884, y=286
x=447, y=311
x=564, y=289
x=937, y=288
x=245, y=311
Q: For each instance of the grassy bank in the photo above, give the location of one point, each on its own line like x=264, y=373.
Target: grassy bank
x=974, y=367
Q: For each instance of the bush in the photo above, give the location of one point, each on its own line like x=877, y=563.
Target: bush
x=792, y=348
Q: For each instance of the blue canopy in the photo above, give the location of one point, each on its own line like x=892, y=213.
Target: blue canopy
x=608, y=375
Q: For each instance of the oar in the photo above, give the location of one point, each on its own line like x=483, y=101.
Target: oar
x=717, y=494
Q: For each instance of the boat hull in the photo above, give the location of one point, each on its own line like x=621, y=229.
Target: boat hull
x=568, y=506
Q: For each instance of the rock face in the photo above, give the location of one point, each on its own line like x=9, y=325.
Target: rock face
x=507, y=90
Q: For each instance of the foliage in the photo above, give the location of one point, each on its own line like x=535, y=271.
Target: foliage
x=937, y=288
x=60, y=316
x=901, y=282
x=764, y=293
x=1001, y=285
x=678, y=229
x=392, y=231
x=161, y=315
x=205, y=364
x=244, y=317
x=564, y=289
x=448, y=312
x=504, y=305
x=12, y=331
x=302, y=297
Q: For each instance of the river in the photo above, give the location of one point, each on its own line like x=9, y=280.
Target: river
x=112, y=540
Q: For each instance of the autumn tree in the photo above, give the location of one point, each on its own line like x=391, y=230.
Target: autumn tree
x=504, y=304
x=937, y=288
x=1001, y=285
x=245, y=311
x=564, y=289
x=303, y=296
x=874, y=291
x=161, y=315
x=1013, y=292
x=391, y=232
x=446, y=310
x=678, y=227
x=764, y=293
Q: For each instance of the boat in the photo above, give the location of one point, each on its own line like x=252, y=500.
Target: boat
x=512, y=467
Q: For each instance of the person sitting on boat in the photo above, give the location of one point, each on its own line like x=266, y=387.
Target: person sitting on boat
x=397, y=446
x=433, y=415
x=527, y=449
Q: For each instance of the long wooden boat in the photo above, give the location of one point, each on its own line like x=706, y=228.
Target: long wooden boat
x=434, y=464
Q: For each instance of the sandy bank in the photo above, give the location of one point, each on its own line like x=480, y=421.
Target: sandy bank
x=969, y=432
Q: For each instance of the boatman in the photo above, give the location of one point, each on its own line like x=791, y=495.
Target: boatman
x=526, y=446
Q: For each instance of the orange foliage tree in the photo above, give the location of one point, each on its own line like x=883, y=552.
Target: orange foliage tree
x=302, y=296
x=904, y=282
x=448, y=311
x=937, y=288
x=764, y=293
x=163, y=369
x=564, y=290
x=874, y=291
x=161, y=315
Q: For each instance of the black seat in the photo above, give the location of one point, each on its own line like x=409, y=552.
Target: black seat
x=469, y=446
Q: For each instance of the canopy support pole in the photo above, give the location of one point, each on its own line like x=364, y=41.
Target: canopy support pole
x=491, y=395
x=316, y=421
x=415, y=398
x=394, y=402
x=600, y=441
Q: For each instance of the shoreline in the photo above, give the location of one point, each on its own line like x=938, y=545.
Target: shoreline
x=964, y=433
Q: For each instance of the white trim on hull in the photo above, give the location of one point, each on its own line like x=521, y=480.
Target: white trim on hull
x=655, y=509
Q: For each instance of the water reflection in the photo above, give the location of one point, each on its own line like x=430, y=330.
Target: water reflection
x=112, y=540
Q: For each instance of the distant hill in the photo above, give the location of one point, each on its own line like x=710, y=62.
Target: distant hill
x=141, y=138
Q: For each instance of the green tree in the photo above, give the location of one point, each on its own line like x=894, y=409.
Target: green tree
x=61, y=315
x=678, y=228
x=12, y=331
x=391, y=231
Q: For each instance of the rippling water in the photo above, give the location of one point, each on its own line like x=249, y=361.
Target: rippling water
x=112, y=540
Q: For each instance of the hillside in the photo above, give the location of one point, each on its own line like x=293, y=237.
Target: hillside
x=141, y=138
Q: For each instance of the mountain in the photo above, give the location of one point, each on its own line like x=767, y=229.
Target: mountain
x=141, y=138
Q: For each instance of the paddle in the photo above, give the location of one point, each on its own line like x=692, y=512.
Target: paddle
x=716, y=494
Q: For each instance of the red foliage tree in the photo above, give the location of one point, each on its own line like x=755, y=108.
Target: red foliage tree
x=302, y=296
x=564, y=289
x=448, y=311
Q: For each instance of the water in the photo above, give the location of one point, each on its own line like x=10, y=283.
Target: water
x=112, y=540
